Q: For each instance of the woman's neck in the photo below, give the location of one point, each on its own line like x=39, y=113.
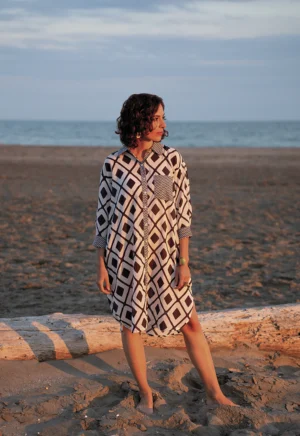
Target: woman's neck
x=143, y=145
x=142, y=149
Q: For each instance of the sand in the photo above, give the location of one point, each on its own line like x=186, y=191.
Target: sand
x=96, y=395
x=244, y=252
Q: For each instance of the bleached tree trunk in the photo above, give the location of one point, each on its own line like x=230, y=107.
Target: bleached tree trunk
x=60, y=336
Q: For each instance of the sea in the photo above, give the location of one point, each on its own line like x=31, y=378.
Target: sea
x=181, y=133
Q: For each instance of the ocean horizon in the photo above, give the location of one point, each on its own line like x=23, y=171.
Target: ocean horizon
x=181, y=133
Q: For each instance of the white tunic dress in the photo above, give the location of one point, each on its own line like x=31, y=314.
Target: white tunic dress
x=144, y=208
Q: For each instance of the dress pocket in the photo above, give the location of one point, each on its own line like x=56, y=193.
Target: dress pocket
x=163, y=187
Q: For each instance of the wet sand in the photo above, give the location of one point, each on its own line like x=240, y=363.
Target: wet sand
x=245, y=251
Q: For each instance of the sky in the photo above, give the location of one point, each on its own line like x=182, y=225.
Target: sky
x=210, y=60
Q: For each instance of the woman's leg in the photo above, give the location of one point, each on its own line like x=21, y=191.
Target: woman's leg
x=199, y=352
x=135, y=354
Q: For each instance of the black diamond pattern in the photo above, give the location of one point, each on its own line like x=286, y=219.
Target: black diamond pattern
x=126, y=159
x=137, y=266
x=155, y=209
x=170, y=269
x=103, y=193
x=176, y=313
x=163, y=326
x=140, y=228
x=152, y=264
x=168, y=298
x=125, y=272
x=160, y=282
x=119, y=246
x=131, y=183
x=126, y=228
x=120, y=291
x=151, y=293
x=119, y=174
x=101, y=220
x=154, y=238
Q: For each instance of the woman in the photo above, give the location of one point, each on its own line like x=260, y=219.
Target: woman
x=143, y=226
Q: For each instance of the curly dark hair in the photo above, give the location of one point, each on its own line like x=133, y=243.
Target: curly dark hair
x=136, y=117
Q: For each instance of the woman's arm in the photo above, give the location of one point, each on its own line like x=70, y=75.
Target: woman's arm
x=182, y=273
x=104, y=206
x=102, y=273
x=182, y=199
x=184, y=220
x=101, y=225
x=184, y=248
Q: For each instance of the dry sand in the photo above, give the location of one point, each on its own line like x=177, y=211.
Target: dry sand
x=245, y=252
x=96, y=395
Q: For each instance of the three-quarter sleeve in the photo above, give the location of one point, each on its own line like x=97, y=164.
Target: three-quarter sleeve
x=183, y=199
x=104, y=206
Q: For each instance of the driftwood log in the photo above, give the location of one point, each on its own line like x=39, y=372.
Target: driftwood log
x=60, y=336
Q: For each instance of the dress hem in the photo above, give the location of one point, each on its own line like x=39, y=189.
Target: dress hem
x=176, y=332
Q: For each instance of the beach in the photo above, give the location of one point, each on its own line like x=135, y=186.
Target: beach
x=244, y=252
x=246, y=228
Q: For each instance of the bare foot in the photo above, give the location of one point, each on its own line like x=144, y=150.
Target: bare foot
x=146, y=403
x=220, y=400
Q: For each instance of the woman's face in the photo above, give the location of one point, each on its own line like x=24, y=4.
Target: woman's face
x=158, y=125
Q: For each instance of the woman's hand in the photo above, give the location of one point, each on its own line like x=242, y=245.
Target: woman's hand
x=182, y=276
x=103, y=280
x=102, y=274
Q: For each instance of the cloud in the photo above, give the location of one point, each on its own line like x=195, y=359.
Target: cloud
x=213, y=19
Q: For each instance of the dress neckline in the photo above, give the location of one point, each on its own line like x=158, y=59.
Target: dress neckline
x=145, y=157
